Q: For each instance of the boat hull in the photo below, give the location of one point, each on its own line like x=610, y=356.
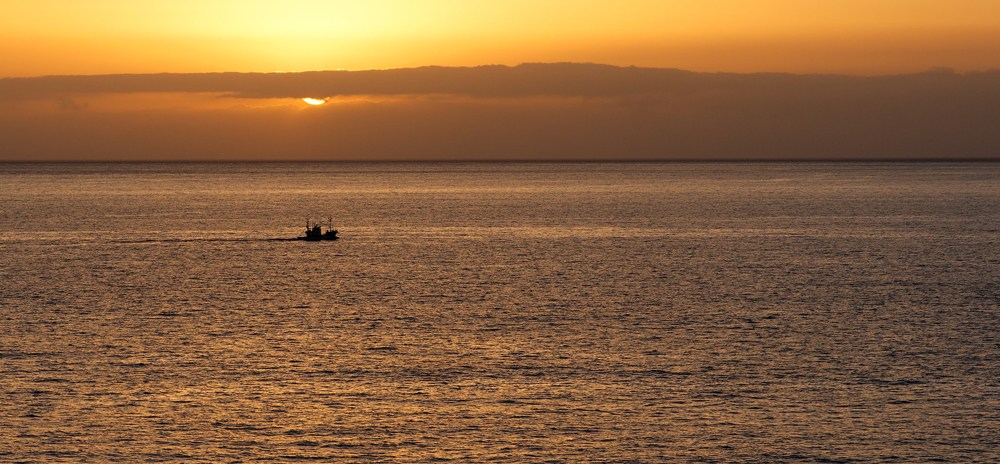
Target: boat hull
x=317, y=239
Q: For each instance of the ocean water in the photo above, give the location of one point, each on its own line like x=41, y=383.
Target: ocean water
x=723, y=312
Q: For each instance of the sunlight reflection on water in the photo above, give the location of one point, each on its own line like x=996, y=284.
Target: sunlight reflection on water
x=590, y=312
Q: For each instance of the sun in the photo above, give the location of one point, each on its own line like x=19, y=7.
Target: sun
x=315, y=101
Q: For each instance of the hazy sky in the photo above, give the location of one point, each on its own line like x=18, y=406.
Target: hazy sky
x=225, y=79
x=43, y=37
x=528, y=112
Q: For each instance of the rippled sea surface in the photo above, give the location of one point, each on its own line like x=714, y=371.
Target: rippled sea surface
x=500, y=313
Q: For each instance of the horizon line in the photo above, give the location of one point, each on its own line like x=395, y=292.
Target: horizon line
x=934, y=160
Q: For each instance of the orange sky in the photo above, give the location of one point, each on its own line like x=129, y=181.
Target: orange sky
x=463, y=110
x=42, y=37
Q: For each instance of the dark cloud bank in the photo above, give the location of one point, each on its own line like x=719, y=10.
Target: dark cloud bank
x=532, y=111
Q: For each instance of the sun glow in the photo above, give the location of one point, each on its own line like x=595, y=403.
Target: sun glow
x=315, y=101
x=68, y=37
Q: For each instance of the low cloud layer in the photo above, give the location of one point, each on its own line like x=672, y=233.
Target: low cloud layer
x=532, y=111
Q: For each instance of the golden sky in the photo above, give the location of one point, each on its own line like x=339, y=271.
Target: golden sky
x=44, y=37
x=221, y=99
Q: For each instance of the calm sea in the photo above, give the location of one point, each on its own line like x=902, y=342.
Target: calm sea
x=500, y=313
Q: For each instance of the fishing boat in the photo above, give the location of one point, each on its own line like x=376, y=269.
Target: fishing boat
x=314, y=232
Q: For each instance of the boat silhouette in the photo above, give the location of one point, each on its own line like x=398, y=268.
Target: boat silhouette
x=314, y=232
